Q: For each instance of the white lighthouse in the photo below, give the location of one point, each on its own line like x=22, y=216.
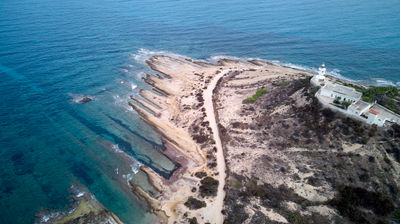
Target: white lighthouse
x=319, y=79
x=321, y=72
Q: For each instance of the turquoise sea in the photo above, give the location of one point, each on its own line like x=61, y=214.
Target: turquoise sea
x=52, y=51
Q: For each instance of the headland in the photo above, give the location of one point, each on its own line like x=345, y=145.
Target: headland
x=255, y=146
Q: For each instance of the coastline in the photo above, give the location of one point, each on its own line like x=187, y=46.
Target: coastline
x=199, y=111
x=161, y=109
x=181, y=108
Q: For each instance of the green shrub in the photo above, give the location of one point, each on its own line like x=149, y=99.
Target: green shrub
x=193, y=220
x=397, y=214
x=336, y=101
x=351, y=200
x=208, y=187
x=375, y=92
x=284, y=83
x=200, y=174
x=314, y=89
x=257, y=95
x=193, y=203
x=346, y=104
x=296, y=218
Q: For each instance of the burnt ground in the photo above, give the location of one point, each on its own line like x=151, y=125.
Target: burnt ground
x=305, y=145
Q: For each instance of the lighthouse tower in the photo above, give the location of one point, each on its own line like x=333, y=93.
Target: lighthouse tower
x=319, y=79
x=321, y=72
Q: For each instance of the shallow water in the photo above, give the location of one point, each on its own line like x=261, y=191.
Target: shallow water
x=52, y=49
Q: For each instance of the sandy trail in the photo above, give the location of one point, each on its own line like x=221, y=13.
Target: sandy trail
x=214, y=215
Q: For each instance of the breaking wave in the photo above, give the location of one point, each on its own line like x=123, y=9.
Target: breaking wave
x=116, y=148
x=135, y=167
x=80, y=98
x=144, y=54
x=332, y=72
x=122, y=102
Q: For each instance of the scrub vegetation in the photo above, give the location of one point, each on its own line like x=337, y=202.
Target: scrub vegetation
x=257, y=95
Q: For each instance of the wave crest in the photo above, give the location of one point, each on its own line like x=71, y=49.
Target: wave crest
x=142, y=55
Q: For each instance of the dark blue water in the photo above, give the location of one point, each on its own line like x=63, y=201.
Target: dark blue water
x=53, y=49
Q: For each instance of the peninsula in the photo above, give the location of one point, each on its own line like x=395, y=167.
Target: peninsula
x=255, y=146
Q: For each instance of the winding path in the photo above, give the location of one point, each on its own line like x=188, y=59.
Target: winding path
x=214, y=214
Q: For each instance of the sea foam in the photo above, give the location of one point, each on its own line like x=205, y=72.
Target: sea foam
x=144, y=54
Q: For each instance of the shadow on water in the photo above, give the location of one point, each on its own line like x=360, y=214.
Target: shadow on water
x=119, y=122
x=123, y=145
x=16, y=76
x=81, y=171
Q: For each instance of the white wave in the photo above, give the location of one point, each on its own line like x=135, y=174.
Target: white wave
x=140, y=75
x=45, y=218
x=116, y=148
x=72, y=211
x=385, y=82
x=144, y=54
x=127, y=84
x=122, y=102
x=295, y=66
x=80, y=98
x=127, y=177
x=135, y=166
x=49, y=217
x=124, y=70
x=332, y=72
x=215, y=58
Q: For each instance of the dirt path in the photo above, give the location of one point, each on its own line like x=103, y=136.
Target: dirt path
x=214, y=215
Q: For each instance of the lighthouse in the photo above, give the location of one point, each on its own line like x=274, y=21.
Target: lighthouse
x=319, y=78
x=321, y=72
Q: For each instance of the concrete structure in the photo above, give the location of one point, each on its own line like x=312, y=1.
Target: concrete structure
x=371, y=113
x=379, y=115
x=319, y=79
x=343, y=93
x=359, y=107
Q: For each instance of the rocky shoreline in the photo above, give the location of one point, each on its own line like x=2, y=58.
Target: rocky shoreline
x=251, y=144
x=85, y=209
x=175, y=109
x=288, y=159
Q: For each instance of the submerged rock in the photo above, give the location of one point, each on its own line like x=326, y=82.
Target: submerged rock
x=80, y=98
x=85, y=99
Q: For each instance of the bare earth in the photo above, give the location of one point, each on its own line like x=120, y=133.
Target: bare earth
x=287, y=159
x=291, y=161
x=216, y=214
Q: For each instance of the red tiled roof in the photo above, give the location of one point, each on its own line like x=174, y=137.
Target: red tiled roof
x=372, y=111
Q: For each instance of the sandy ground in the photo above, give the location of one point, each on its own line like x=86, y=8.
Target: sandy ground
x=181, y=108
x=287, y=158
x=176, y=108
x=216, y=214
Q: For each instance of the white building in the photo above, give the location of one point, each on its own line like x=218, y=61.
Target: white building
x=370, y=113
x=379, y=115
x=343, y=93
x=359, y=107
x=319, y=79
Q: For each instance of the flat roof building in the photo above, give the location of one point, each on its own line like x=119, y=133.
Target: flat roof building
x=344, y=93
